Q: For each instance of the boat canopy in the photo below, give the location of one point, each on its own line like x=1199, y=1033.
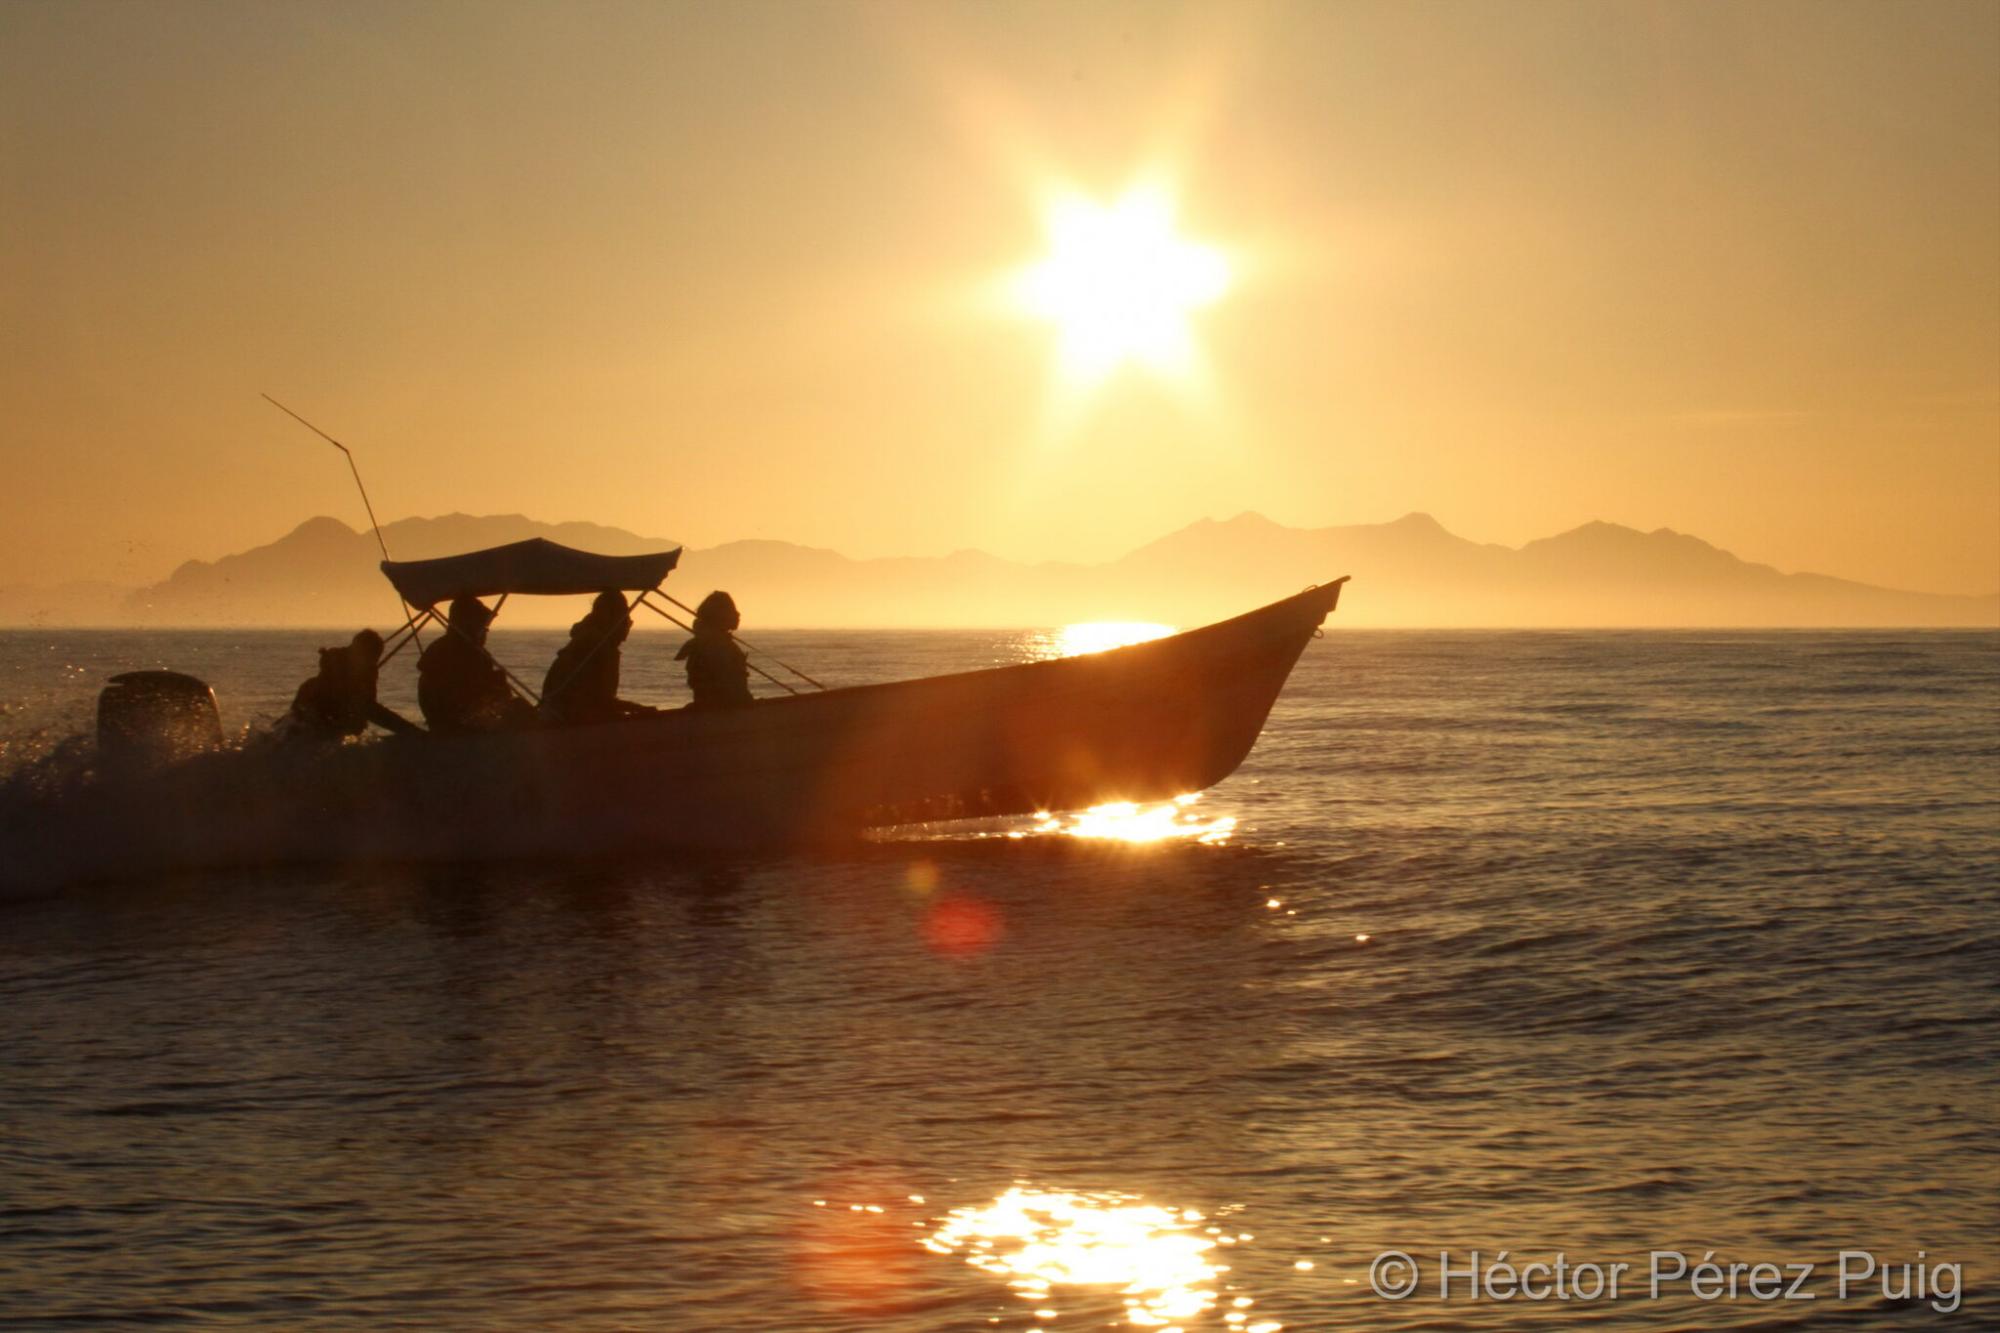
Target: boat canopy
x=536, y=567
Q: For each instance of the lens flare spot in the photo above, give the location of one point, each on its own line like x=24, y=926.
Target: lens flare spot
x=962, y=927
x=852, y=1259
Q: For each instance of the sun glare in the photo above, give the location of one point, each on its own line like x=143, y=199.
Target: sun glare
x=1097, y=636
x=1159, y=1261
x=1128, y=821
x=1119, y=284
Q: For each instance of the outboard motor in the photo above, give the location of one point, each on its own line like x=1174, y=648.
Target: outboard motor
x=148, y=718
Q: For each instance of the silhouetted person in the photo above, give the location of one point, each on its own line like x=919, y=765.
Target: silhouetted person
x=340, y=700
x=582, y=684
x=718, y=672
x=459, y=687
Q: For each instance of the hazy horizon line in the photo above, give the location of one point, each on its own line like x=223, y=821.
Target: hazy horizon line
x=264, y=627
x=692, y=548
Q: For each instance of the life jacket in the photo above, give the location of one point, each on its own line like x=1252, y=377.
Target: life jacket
x=335, y=702
x=718, y=671
x=582, y=683
x=460, y=688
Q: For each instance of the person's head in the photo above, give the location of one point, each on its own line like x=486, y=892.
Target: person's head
x=364, y=652
x=469, y=617
x=717, y=611
x=608, y=615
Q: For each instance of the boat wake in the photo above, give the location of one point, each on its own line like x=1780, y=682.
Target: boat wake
x=41, y=766
x=61, y=811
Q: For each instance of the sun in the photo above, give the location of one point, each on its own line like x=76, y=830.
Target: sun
x=1119, y=283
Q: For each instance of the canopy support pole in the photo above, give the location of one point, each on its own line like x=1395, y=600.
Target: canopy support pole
x=399, y=640
x=665, y=615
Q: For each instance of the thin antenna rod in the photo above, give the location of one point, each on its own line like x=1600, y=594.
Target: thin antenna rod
x=350, y=467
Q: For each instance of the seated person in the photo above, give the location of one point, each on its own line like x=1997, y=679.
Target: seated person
x=340, y=700
x=582, y=684
x=718, y=671
x=459, y=687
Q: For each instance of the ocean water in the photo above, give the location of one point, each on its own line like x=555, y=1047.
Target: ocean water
x=1600, y=945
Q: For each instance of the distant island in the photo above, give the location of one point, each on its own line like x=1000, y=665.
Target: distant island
x=1410, y=572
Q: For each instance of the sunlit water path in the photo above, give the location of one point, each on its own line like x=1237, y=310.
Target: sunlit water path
x=1593, y=943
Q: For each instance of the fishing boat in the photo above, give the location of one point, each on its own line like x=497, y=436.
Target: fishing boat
x=1151, y=721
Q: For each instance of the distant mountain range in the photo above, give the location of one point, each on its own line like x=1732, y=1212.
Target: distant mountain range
x=1411, y=572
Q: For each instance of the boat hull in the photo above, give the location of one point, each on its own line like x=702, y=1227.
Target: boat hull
x=1146, y=722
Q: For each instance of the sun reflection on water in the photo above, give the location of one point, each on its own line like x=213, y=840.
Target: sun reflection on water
x=1128, y=821
x=1157, y=1259
x=1096, y=636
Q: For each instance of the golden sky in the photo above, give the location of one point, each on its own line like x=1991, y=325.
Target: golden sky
x=758, y=270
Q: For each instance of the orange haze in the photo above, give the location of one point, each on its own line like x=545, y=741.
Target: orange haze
x=722, y=271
